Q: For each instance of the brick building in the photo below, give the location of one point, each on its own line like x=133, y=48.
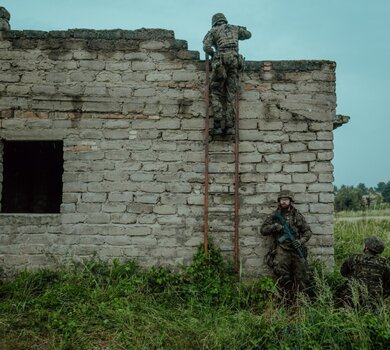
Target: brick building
x=102, y=149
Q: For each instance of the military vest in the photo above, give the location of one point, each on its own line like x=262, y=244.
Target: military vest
x=368, y=268
x=227, y=37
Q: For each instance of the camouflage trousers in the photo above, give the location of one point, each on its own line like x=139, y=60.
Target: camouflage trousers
x=291, y=271
x=223, y=89
x=358, y=294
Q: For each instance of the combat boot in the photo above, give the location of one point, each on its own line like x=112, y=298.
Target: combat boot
x=217, y=130
x=229, y=131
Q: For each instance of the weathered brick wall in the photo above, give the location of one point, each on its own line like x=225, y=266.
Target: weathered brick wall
x=129, y=107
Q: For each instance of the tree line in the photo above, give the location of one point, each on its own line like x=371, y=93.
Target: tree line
x=362, y=197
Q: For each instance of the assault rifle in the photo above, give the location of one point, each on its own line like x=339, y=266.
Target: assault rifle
x=288, y=234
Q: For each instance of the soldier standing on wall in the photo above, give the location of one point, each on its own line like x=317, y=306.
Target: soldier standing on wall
x=288, y=254
x=221, y=43
x=368, y=274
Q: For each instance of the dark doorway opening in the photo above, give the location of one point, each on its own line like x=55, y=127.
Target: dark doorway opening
x=32, y=176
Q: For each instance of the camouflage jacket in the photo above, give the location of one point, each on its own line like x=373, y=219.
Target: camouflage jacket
x=224, y=37
x=370, y=269
x=297, y=222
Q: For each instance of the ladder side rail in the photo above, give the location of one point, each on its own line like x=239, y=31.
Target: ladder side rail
x=236, y=184
x=206, y=156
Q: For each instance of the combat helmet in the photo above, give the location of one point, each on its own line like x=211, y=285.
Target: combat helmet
x=4, y=13
x=218, y=17
x=374, y=244
x=286, y=194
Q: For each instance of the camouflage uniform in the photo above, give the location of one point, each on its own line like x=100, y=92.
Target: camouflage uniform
x=225, y=65
x=290, y=269
x=368, y=273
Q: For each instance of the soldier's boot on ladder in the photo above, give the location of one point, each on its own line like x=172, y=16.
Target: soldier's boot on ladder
x=217, y=129
x=229, y=130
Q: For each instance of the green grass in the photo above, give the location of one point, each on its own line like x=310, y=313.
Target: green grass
x=349, y=237
x=363, y=213
x=120, y=306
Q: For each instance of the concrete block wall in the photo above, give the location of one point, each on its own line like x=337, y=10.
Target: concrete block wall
x=129, y=107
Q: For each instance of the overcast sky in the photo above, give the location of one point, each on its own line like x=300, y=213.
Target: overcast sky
x=353, y=33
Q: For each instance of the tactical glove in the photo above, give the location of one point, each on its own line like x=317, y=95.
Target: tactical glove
x=276, y=227
x=296, y=244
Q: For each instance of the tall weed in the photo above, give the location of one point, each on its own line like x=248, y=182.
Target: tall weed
x=96, y=305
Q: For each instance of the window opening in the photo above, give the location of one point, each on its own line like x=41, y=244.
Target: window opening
x=32, y=176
